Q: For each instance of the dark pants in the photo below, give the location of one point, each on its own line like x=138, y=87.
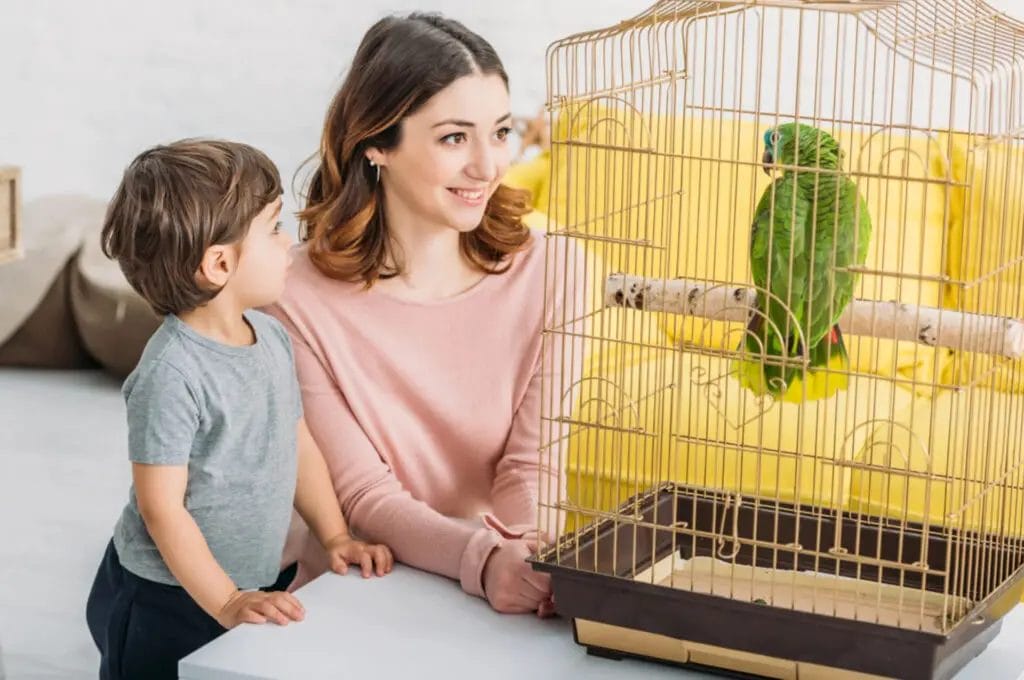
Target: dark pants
x=143, y=628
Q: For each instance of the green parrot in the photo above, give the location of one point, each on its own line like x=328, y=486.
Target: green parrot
x=809, y=228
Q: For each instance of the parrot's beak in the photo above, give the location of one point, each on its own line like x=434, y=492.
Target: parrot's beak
x=767, y=161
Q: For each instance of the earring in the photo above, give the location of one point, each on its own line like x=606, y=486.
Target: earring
x=374, y=165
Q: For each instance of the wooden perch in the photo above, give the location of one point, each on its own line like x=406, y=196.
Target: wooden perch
x=935, y=327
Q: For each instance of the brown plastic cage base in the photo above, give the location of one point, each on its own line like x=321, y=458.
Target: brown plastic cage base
x=603, y=578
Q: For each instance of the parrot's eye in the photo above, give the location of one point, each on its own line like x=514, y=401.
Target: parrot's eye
x=775, y=137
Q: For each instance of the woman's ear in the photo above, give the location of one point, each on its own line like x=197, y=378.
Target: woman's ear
x=216, y=267
x=375, y=157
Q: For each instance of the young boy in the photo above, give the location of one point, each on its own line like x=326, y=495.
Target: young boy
x=220, y=452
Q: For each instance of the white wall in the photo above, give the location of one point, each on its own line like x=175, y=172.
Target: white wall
x=86, y=85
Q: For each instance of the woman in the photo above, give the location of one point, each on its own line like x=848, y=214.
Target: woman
x=416, y=313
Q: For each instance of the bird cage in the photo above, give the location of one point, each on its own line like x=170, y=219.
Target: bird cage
x=786, y=412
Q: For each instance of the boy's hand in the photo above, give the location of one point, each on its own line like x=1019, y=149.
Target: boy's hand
x=343, y=550
x=259, y=607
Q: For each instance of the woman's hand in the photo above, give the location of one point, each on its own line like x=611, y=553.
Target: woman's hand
x=343, y=550
x=510, y=583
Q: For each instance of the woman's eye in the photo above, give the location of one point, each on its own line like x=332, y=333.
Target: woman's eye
x=503, y=133
x=454, y=138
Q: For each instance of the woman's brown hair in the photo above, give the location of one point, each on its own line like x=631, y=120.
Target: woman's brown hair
x=401, y=63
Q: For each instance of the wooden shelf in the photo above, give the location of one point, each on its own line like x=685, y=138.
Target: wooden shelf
x=10, y=213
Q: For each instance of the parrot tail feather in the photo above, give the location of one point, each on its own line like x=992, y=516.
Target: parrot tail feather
x=826, y=375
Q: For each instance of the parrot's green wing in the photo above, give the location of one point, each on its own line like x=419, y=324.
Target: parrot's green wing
x=778, y=265
x=840, y=241
x=777, y=254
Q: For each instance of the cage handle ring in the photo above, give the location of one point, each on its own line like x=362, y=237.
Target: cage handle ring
x=735, y=504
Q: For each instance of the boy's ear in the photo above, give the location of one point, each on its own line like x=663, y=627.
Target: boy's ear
x=216, y=267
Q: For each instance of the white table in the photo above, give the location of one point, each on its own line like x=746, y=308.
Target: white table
x=417, y=625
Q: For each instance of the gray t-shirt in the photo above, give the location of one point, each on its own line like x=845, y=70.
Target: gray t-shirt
x=230, y=414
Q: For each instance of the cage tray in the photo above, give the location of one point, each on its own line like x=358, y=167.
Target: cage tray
x=651, y=582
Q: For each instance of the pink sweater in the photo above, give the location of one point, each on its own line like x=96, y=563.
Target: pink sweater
x=429, y=414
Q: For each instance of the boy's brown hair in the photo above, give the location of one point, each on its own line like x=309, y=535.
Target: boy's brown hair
x=173, y=203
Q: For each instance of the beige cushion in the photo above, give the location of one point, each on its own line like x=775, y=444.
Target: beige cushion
x=52, y=228
x=113, y=321
x=36, y=326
